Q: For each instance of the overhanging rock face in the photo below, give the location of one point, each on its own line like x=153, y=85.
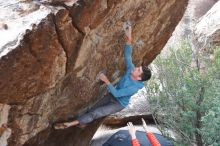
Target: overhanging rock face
x=51, y=75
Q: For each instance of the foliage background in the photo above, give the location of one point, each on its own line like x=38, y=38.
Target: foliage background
x=184, y=95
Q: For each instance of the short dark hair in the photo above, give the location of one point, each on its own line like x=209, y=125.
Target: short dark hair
x=146, y=75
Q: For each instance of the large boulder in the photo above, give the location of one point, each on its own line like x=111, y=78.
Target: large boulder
x=51, y=75
x=185, y=29
x=207, y=30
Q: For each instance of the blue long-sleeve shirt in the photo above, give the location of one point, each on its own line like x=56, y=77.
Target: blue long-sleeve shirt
x=126, y=87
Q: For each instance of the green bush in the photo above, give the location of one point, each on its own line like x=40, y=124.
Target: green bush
x=185, y=98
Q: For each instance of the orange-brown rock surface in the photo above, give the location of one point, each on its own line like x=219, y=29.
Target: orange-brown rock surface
x=50, y=76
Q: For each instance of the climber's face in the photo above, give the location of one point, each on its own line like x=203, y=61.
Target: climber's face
x=136, y=73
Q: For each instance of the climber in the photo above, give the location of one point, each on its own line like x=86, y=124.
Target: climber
x=119, y=96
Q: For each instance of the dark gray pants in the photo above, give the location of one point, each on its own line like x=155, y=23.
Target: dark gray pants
x=106, y=106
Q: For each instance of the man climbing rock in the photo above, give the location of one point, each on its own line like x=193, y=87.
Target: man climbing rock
x=118, y=96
